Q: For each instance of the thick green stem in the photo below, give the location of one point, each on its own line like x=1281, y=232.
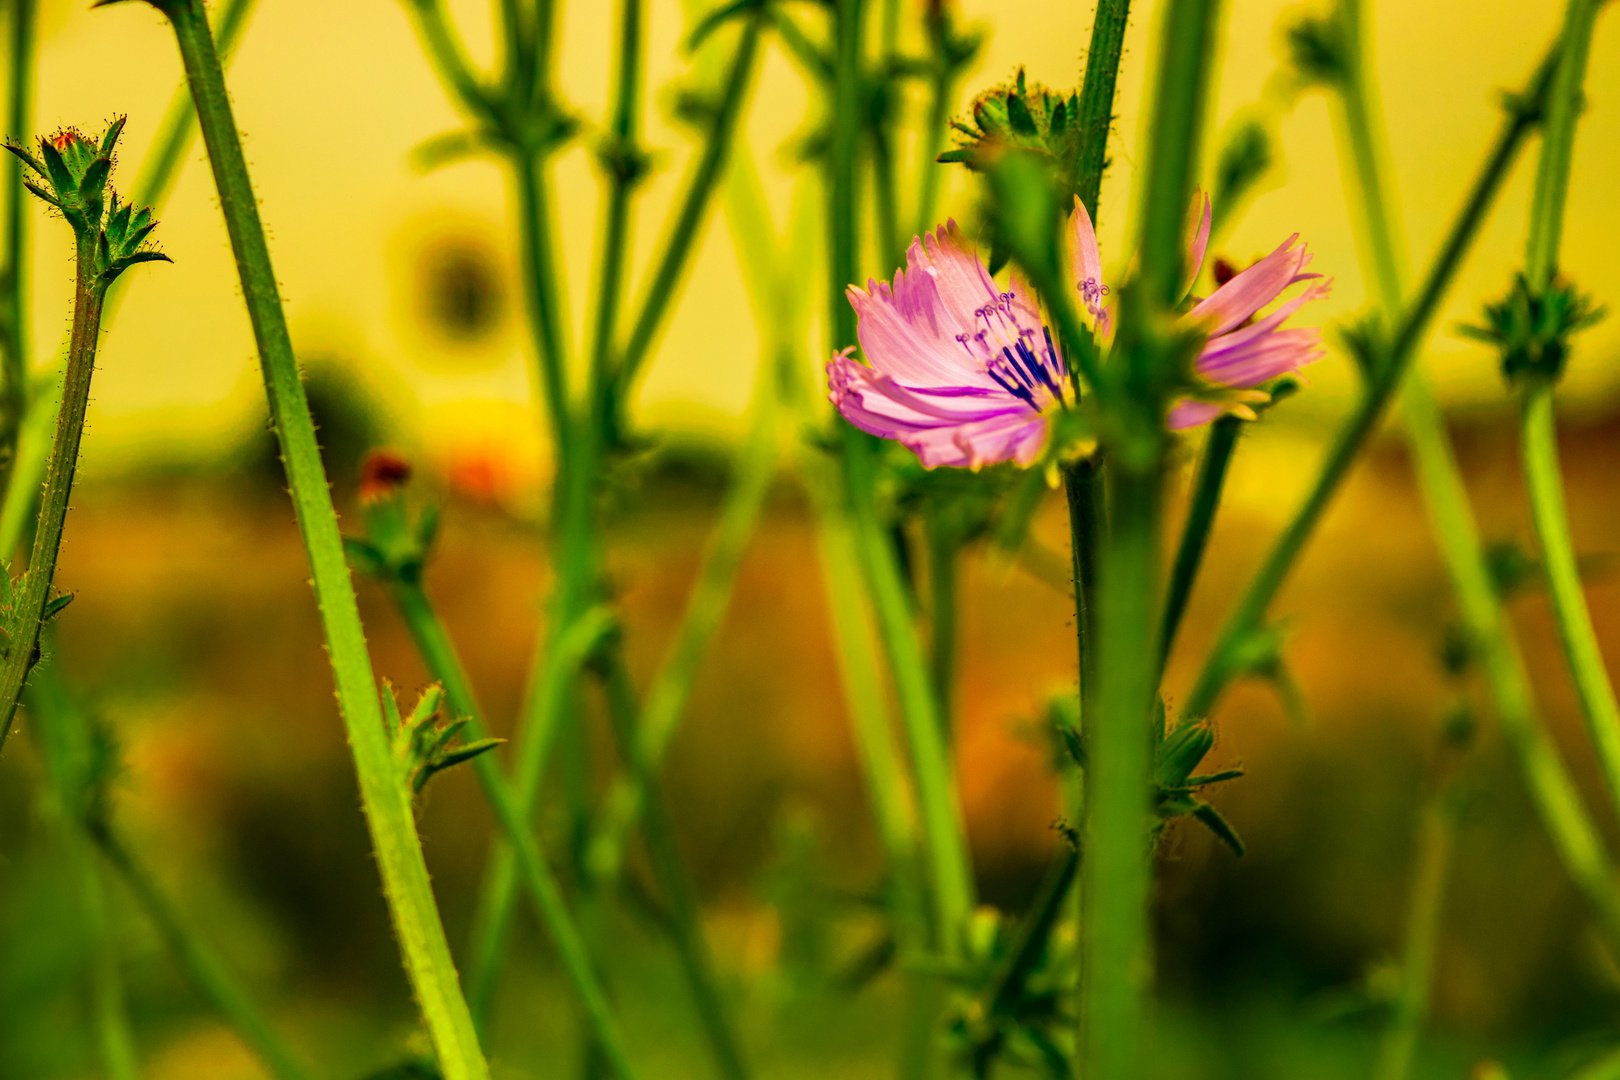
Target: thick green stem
x=383, y=792
x=439, y=654
x=669, y=871
x=1117, y=873
x=1564, y=108
x=1082, y=486
x=1097, y=98
x=700, y=188
x=1545, y=484
x=1206, y=499
x=33, y=591
x=14, y=273
x=1221, y=665
x=200, y=962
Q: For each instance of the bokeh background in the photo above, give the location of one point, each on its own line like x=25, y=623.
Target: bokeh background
x=195, y=635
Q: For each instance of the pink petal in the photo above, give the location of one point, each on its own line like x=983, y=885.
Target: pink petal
x=1087, y=262
x=1263, y=359
x=1189, y=413
x=963, y=282
x=1200, y=240
x=1235, y=302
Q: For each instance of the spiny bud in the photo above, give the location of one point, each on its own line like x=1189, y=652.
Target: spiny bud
x=73, y=173
x=1532, y=329
x=1021, y=116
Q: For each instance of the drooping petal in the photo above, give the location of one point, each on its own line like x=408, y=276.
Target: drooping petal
x=1235, y=303
x=1264, y=358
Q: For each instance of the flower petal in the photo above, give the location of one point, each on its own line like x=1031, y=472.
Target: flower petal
x=1234, y=303
x=1085, y=259
x=1200, y=240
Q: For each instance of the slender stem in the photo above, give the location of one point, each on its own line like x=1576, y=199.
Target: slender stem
x=449, y=58
x=551, y=698
x=1097, y=98
x=14, y=273
x=1544, y=482
x=944, y=552
x=706, y=605
x=700, y=188
x=623, y=174
x=1424, y=904
x=194, y=954
x=1358, y=101
x=35, y=585
x=439, y=654
x=64, y=740
x=1206, y=499
x=1221, y=665
x=1082, y=485
x=669, y=871
x=886, y=198
x=543, y=296
x=162, y=163
x=941, y=88
x=1558, y=144
x=1552, y=791
x=384, y=796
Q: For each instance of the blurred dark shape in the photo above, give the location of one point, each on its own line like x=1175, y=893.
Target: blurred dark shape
x=460, y=290
x=348, y=423
x=383, y=473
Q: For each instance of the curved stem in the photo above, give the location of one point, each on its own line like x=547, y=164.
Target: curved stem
x=384, y=795
x=1545, y=484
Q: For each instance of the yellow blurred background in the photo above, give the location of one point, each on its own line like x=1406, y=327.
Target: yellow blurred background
x=334, y=96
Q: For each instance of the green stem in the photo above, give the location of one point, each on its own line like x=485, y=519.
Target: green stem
x=200, y=962
x=565, y=652
x=543, y=296
x=1097, y=98
x=1206, y=499
x=944, y=553
x=1544, y=482
x=1117, y=874
x=162, y=163
x=941, y=88
x=1221, y=665
x=1551, y=789
x=28, y=612
x=439, y=655
x=1358, y=102
x=14, y=273
x=1082, y=486
x=700, y=188
x=383, y=793
x=449, y=58
x=1558, y=145
x=706, y=605
x=669, y=872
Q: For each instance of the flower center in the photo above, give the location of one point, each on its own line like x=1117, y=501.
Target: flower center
x=1025, y=367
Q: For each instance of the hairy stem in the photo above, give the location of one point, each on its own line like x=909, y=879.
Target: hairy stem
x=383, y=793
x=1565, y=102
x=1097, y=98
x=439, y=654
x=32, y=592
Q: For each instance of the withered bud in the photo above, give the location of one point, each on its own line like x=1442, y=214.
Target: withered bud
x=382, y=475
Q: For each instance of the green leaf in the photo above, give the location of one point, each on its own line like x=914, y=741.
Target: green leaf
x=109, y=140
x=1018, y=114
x=93, y=184
x=1212, y=820
x=54, y=606
x=56, y=169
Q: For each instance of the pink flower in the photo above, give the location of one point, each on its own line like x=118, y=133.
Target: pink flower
x=965, y=373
